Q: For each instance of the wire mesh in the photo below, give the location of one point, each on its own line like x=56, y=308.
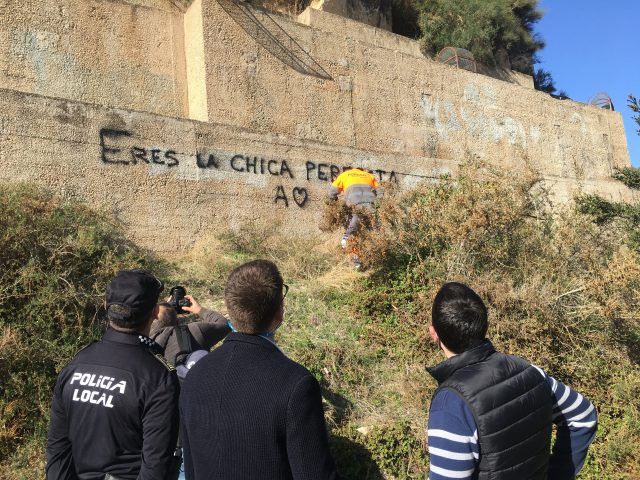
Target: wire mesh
x=181, y=5
x=457, y=57
x=602, y=100
x=260, y=26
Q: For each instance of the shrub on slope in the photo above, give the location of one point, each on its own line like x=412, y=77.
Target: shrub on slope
x=562, y=291
x=55, y=260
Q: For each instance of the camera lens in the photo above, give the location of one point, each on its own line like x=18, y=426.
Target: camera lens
x=177, y=298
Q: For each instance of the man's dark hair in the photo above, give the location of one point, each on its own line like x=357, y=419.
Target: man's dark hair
x=122, y=316
x=253, y=295
x=459, y=317
x=167, y=317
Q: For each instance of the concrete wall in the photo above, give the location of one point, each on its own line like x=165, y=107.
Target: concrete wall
x=171, y=180
x=361, y=87
x=376, y=13
x=107, y=52
x=181, y=121
x=385, y=96
x=194, y=60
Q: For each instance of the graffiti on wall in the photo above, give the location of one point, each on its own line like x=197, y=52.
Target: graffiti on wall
x=115, y=155
x=113, y=151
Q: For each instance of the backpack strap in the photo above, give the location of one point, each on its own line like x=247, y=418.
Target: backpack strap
x=162, y=336
x=186, y=343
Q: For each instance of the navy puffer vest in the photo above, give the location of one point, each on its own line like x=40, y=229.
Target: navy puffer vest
x=511, y=403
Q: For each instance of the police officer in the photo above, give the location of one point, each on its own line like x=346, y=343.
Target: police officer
x=115, y=406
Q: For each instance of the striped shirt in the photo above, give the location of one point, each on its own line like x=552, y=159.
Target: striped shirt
x=453, y=435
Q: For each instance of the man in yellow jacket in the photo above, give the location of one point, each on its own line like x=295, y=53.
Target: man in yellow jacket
x=360, y=188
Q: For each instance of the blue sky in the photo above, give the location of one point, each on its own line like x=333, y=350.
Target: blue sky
x=592, y=46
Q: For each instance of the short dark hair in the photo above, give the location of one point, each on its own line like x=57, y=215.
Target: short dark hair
x=124, y=317
x=167, y=317
x=459, y=317
x=253, y=295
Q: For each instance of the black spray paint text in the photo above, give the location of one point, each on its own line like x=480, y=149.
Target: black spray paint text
x=137, y=154
x=133, y=154
x=328, y=172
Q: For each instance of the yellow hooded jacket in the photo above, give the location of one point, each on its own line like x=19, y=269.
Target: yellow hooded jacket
x=358, y=186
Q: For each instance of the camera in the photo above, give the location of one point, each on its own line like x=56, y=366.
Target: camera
x=177, y=299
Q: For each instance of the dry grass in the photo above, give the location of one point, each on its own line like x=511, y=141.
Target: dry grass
x=562, y=291
x=55, y=260
x=291, y=8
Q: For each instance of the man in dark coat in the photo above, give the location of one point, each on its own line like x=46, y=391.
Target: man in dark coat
x=248, y=412
x=202, y=334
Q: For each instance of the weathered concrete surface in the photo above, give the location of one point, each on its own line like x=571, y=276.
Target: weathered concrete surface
x=107, y=52
x=332, y=93
x=166, y=196
x=171, y=180
x=190, y=58
x=385, y=96
x=194, y=60
x=376, y=13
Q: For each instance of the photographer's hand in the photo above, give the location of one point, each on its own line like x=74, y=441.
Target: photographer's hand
x=195, y=307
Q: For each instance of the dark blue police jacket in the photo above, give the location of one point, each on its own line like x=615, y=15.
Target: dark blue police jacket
x=115, y=410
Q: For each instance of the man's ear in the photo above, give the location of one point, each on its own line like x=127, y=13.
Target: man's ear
x=434, y=335
x=155, y=312
x=278, y=317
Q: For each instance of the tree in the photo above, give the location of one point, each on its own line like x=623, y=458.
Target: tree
x=543, y=81
x=484, y=27
x=634, y=105
x=405, y=18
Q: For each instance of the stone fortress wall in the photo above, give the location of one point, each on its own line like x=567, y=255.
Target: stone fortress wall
x=184, y=117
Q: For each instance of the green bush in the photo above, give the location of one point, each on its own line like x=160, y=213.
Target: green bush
x=562, y=290
x=393, y=449
x=484, y=27
x=630, y=176
x=602, y=211
x=619, y=216
x=397, y=449
x=55, y=261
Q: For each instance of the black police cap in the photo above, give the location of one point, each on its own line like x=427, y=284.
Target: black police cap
x=136, y=290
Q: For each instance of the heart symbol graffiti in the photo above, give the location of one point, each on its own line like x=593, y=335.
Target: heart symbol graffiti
x=300, y=196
